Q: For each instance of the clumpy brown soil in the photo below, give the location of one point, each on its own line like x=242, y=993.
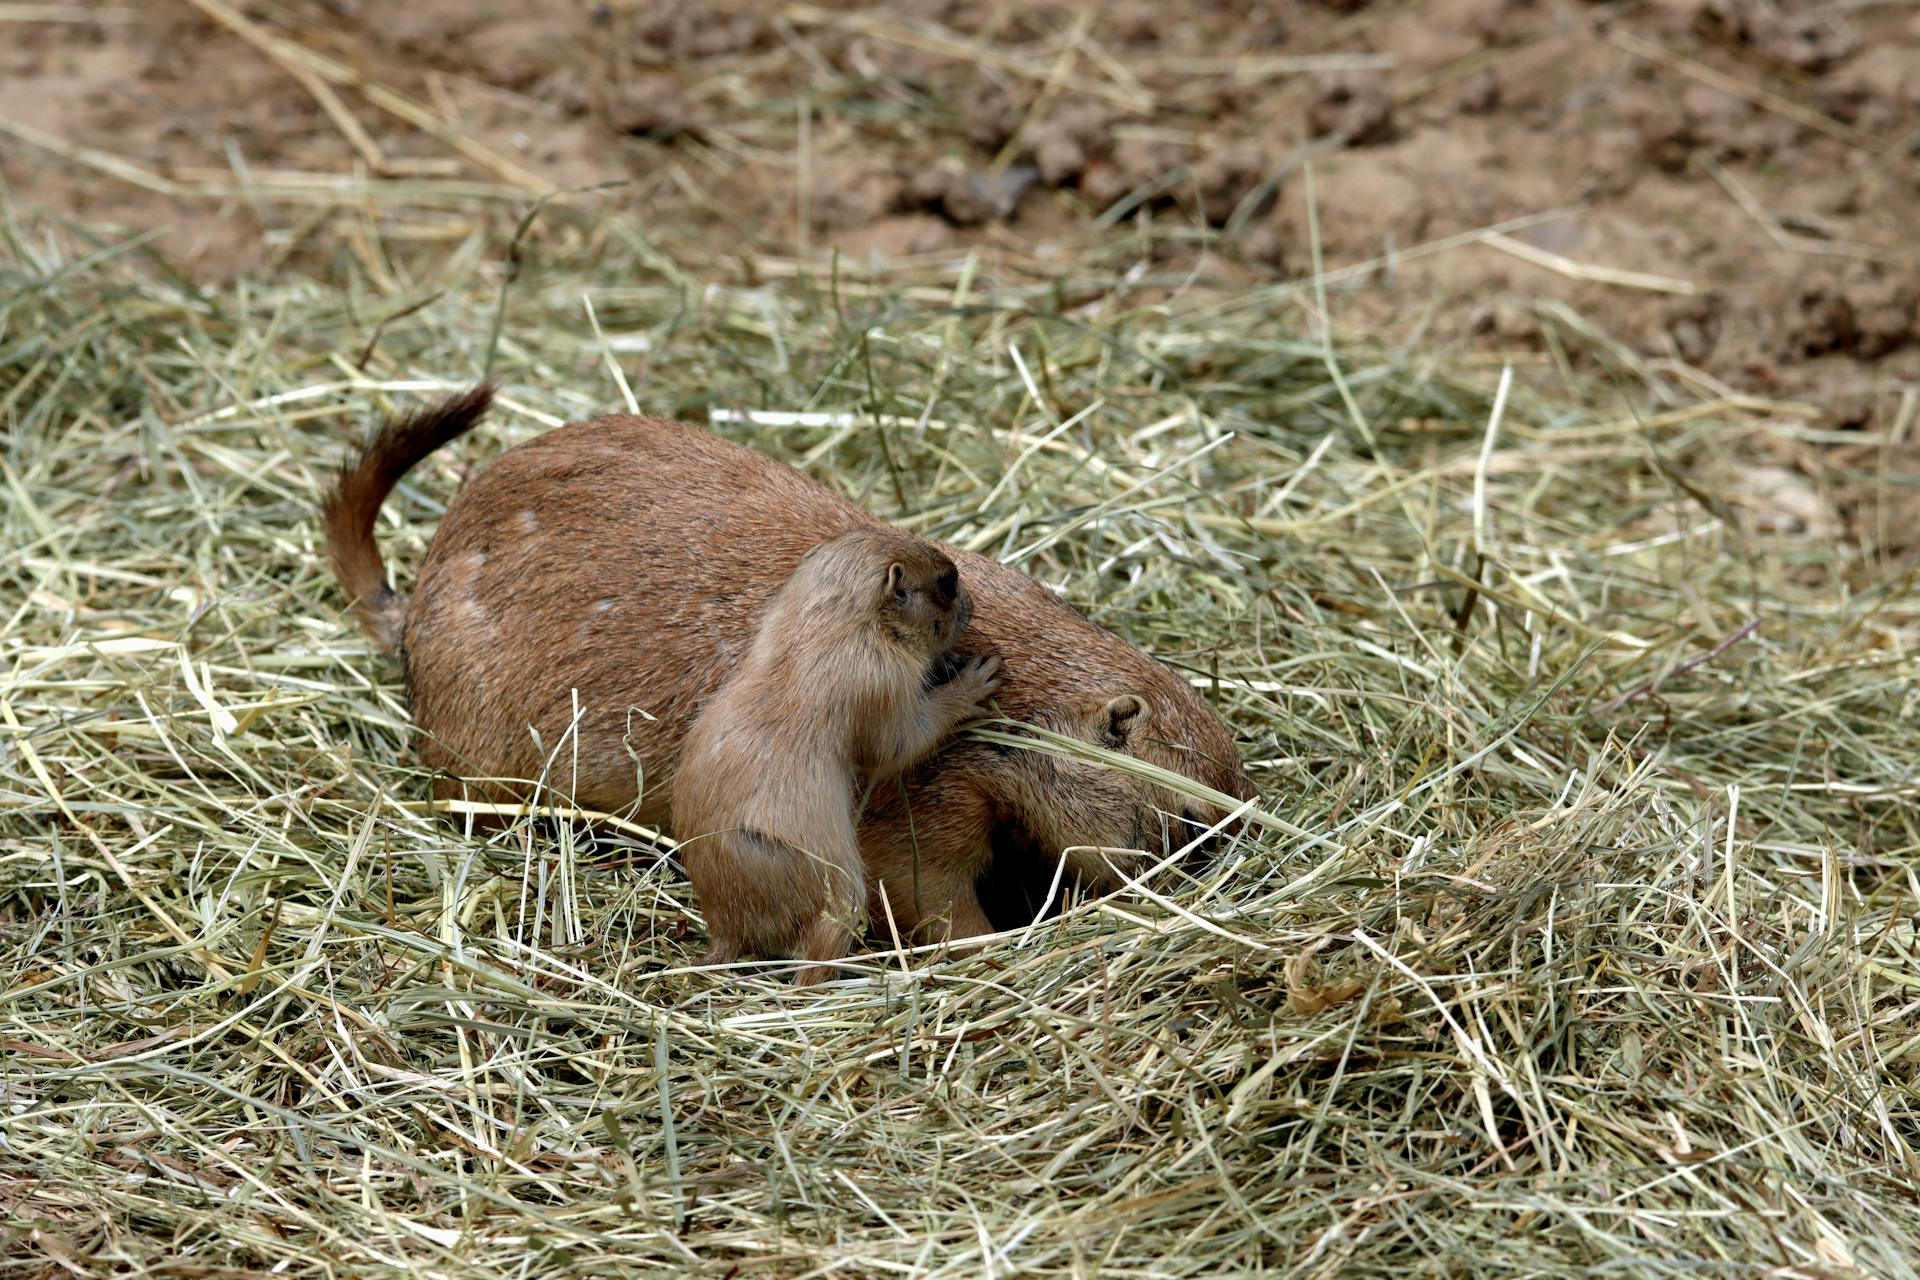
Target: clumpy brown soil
x=1755, y=164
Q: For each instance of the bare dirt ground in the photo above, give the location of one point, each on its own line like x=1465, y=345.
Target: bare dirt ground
x=1731, y=187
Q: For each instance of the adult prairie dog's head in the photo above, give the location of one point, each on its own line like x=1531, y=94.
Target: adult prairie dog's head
x=907, y=585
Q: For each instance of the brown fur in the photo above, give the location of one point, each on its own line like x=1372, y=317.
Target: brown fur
x=834, y=690
x=629, y=558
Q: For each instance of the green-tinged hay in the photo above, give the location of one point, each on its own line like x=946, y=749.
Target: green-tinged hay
x=1574, y=934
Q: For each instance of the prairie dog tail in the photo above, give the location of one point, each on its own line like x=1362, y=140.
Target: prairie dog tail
x=348, y=512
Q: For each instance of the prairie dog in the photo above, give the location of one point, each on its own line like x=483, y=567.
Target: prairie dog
x=836, y=691
x=628, y=559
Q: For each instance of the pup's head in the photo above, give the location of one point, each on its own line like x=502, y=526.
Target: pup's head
x=922, y=599
x=911, y=585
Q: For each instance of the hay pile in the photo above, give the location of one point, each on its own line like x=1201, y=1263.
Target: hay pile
x=1580, y=941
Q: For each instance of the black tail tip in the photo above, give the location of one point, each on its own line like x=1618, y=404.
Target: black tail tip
x=470, y=403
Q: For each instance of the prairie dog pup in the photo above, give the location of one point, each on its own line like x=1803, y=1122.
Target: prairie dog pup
x=837, y=691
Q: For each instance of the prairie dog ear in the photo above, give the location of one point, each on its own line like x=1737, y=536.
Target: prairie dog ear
x=1123, y=716
x=896, y=574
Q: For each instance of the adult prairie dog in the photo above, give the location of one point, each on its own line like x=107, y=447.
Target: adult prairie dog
x=841, y=688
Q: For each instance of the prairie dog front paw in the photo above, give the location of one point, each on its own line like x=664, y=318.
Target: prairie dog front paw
x=977, y=679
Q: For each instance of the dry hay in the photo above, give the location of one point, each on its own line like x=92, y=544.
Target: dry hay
x=1578, y=939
